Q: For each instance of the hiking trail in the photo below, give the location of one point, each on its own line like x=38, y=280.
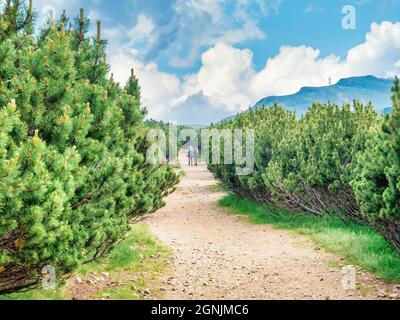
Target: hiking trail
x=222, y=256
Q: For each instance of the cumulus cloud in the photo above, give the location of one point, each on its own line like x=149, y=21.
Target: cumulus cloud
x=293, y=68
x=227, y=81
x=56, y=6
x=177, y=37
x=143, y=29
x=161, y=91
x=224, y=70
x=379, y=53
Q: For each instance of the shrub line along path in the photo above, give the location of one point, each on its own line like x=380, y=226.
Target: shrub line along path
x=223, y=256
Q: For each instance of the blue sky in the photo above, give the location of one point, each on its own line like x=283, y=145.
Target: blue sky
x=200, y=60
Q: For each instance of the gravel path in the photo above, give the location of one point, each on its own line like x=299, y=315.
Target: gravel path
x=222, y=256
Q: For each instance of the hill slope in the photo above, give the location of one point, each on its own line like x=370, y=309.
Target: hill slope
x=365, y=89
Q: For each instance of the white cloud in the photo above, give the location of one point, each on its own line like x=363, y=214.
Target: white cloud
x=51, y=8
x=379, y=53
x=224, y=70
x=195, y=25
x=293, y=68
x=58, y=5
x=161, y=91
x=229, y=82
x=143, y=29
x=95, y=15
x=249, y=30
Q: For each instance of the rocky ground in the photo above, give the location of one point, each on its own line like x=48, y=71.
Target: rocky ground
x=222, y=256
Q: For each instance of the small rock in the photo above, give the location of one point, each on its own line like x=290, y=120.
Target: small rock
x=382, y=294
x=106, y=275
x=91, y=282
x=146, y=291
x=78, y=280
x=394, y=296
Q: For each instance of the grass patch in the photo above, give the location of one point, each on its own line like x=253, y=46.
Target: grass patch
x=37, y=294
x=219, y=187
x=359, y=245
x=182, y=173
x=137, y=262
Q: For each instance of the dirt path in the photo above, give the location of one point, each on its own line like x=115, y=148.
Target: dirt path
x=221, y=256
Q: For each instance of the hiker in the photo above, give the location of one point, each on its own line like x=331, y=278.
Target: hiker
x=190, y=155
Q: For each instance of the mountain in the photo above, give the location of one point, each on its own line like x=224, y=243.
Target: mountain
x=387, y=110
x=365, y=89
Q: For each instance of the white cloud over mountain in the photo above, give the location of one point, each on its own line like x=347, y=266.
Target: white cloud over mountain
x=161, y=91
x=228, y=81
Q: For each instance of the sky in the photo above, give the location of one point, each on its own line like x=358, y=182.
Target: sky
x=199, y=61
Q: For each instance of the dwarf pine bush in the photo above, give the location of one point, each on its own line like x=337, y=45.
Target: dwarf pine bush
x=377, y=183
x=341, y=161
x=73, y=172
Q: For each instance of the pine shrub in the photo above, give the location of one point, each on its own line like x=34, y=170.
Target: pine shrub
x=377, y=183
x=303, y=164
x=73, y=173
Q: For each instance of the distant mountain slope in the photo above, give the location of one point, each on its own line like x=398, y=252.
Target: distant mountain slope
x=365, y=89
x=387, y=110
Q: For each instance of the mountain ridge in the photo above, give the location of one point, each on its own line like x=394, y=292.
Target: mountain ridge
x=363, y=88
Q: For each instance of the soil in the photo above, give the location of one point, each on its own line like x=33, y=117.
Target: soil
x=218, y=255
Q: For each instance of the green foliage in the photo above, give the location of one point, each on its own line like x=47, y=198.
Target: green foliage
x=73, y=172
x=303, y=163
x=360, y=245
x=16, y=17
x=377, y=184
x=139, y=256
x=133, y=87
x=166, y=128
x=313, y=168
x=341, y=161
x=265, y=122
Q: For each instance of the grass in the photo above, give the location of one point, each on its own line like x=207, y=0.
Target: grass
x=359, y=245
x=218, y=187
x=137, y=262
x=37, y=294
